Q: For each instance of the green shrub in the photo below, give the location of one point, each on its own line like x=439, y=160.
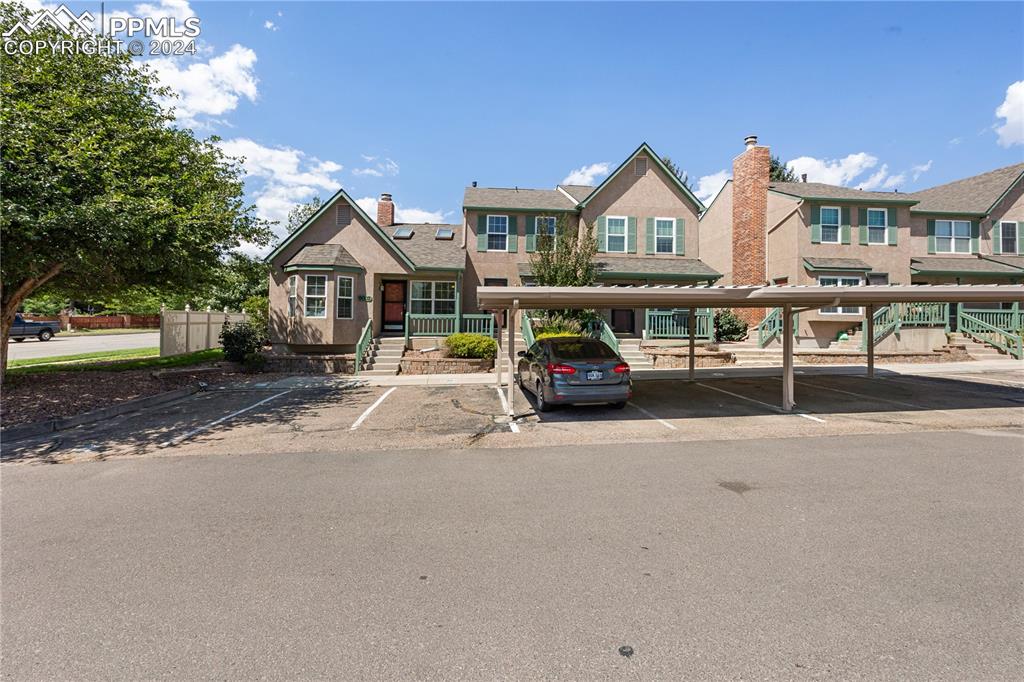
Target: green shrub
x=258, y=310
x=254, y=362
x=471, y=346
x=728, y=327
x=548, y=335
x=557, y=325
x=241, y=339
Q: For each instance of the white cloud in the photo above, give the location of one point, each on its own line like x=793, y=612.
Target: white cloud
x=920, y=169
x=270, y=26
x=1011, y=132
x=586, y=175
x=708, y=186
x=955, y=141
x=403, y=215
x=210, y=88
x=368, y=158
x=876, y=179
x=833, y=171
x=373, y=172
x=385, y=167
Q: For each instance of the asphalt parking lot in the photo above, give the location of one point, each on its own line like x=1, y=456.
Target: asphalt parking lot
x=307, y=415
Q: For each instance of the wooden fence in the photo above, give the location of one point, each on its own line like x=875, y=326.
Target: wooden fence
x=188, y=331
x=98, y=321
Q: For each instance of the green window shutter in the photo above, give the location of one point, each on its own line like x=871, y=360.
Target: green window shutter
x=815, y=224
x=680, y=236
x=931, y=236
x=862, y=222
x=975, y=236
x=631, y=234
x=650, y=236
x=844, y=225
x=513, y=232
x=995, y=234
x=531, y=233
x=1020, y=237
x=481, y=233
x=892, y=231
x=602, y=233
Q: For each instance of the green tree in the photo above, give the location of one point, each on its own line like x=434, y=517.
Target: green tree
x=779, y=172
x=239, y=277
x=683, y=176
x=300, y=213
x=100, y=190
x=565, y=260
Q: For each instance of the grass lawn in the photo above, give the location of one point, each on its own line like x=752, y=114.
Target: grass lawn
x=112, y=361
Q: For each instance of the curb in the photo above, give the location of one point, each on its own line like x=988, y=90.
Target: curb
x=22, y=431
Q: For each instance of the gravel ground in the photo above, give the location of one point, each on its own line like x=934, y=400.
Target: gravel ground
x=36, y=397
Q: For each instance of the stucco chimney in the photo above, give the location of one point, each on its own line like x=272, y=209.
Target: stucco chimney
x=750, y=172
x=385, y=211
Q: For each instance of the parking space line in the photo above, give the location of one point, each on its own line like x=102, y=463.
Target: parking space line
x=915, y=380
x=654, y=417
x=512, y=426
x=871, y=397
x=215, y=422
x=371, y=408
x=771, y=407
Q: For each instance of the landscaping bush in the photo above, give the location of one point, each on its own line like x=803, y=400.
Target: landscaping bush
x=728, y=327
x=241, y=339
x=557, y=325
x=258, y=310
x=254, y=362
x=548, y=335
x=471, y=346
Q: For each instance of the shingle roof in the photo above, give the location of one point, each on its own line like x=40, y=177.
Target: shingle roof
x=578, y=192
x=323, y=255
x=519, y=198
x=637, y=268
x=819, y=190
x=1015, y=261
x=837, y=264
x=971, y=264
x=428, y=252
x=975, y=195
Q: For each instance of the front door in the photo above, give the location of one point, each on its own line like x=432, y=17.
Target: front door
x=622, y=320
x=394, y=305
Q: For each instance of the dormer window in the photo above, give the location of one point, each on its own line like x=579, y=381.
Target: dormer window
x=640, y=166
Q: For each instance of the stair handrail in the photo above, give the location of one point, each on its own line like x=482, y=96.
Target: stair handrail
x=969, y=325
x=526, y=327
x=364, y=343
x=886, y=319
x=608, y=336
x=769, y=328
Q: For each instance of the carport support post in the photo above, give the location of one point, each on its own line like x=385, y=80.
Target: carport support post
x=787, y=358
x=512, y=317
x=497, y=356
x=692, y=327
x=870, y=331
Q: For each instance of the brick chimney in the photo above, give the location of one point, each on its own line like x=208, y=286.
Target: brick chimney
x=385, y=211
x=749, y=220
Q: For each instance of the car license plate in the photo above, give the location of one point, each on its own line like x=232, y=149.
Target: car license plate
x=594, y=375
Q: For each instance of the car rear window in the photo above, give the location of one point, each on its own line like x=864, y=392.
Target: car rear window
x=582, y=350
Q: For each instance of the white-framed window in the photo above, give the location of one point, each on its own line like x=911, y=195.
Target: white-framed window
x=293, y=295
x=877, y=219
x=829, y=225
x=1007, y=237
x=952, y=236
x=664, y=235
x=834, y=281
x=432, y=298
x=615, y=237
x=547, y=225
x=344, y=294
x=316, y=296
x=497, y=233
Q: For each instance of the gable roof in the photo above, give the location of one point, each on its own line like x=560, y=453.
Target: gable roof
x=824, y=192
x=976, y=195
x=428, y=252
x=342, y=194
x=323, y=255
x=646, y=148
x=517, y=198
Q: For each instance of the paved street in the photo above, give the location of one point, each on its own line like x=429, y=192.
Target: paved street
x=895, y=556
x=70, y=345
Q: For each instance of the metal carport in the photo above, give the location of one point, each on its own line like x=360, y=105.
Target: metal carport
x=792, y=299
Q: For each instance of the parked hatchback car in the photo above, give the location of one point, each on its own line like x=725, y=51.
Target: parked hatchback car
x=569, y=370
x=23, y=329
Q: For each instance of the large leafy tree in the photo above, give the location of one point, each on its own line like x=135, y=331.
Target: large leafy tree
x=780, y=172
x=565, y=259
x=100, y=191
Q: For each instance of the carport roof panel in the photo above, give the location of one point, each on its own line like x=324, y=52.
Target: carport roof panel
x=495, y=298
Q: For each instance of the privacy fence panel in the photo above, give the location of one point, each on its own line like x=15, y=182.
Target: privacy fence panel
x=188, y=331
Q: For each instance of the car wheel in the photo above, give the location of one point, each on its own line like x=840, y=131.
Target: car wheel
x=20, y=339
x=45, y=335
x=542, y=404
x=619, y=405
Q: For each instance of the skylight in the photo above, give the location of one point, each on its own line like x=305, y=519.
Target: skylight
x=403, y=233
x=444, y=233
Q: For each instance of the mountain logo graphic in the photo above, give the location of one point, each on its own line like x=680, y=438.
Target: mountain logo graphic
x=61, y=19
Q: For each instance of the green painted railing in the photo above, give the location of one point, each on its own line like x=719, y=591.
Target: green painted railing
x=892, y=318
x=1007, y=340
x=608, y=336
x=420, y=324
x=526, y=327
x=1009, y=320
x=477, y=323
x=362, y=345
x=770, y=327
x=675, y=324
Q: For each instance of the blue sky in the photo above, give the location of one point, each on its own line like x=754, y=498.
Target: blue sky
x=421, y=99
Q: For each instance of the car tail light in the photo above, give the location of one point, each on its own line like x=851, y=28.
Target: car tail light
x=560, y=369
x=621, y=368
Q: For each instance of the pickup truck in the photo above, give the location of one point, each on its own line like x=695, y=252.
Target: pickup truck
x=23, y=329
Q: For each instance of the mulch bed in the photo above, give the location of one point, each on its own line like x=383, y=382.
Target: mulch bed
x=35, y=397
